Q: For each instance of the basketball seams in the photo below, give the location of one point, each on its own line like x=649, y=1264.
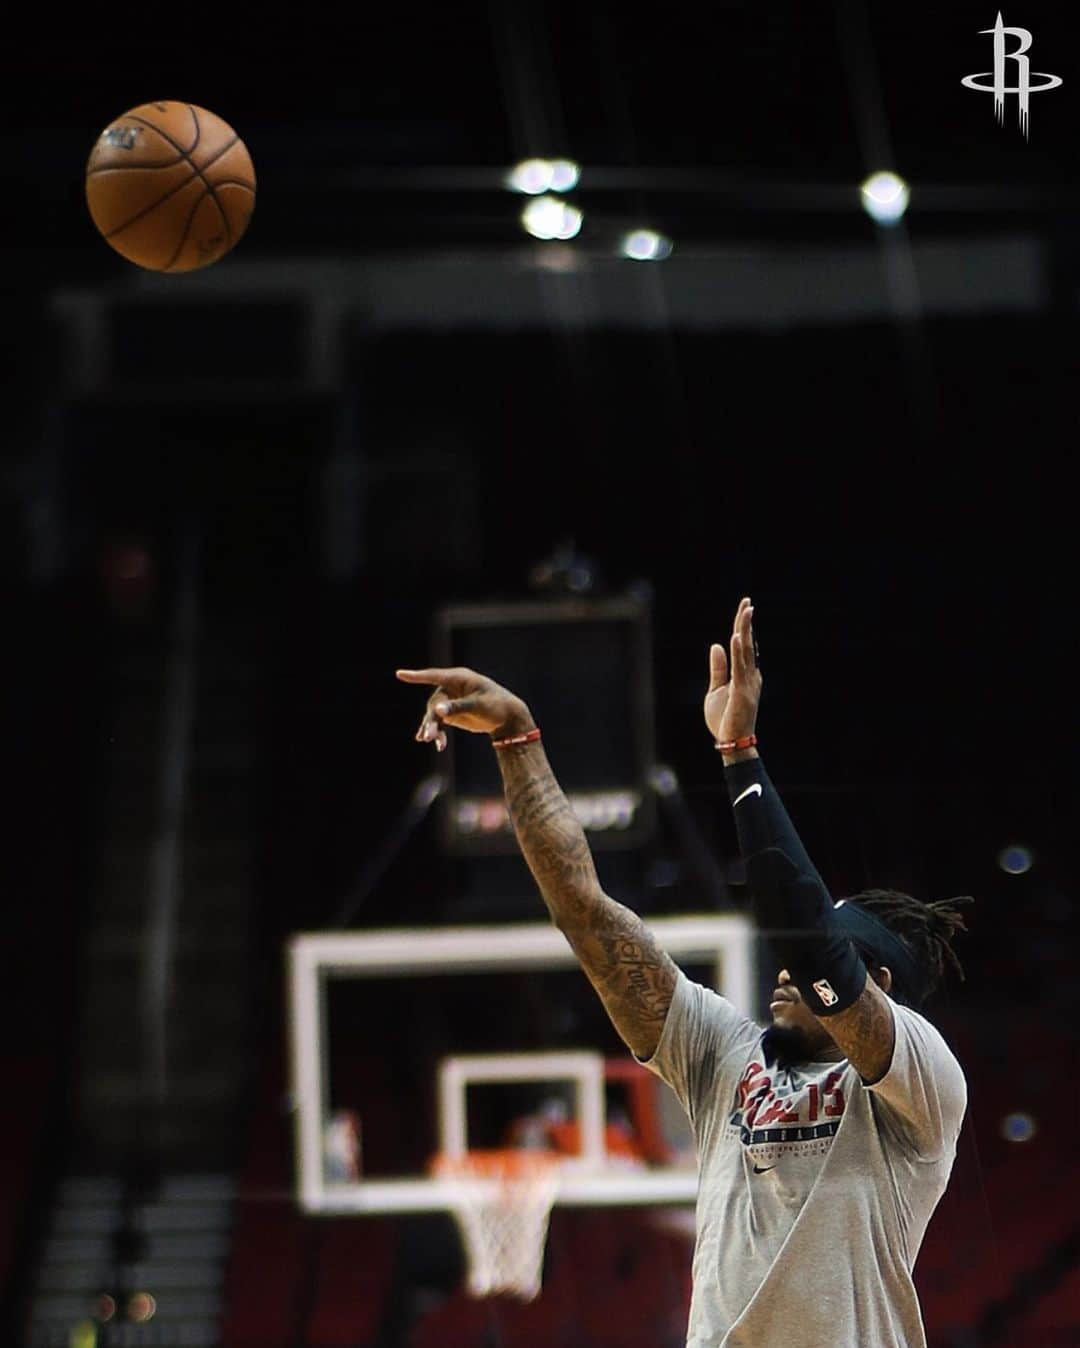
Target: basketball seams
x=195, y=173
x=188, y=253
x=229, y=182
x=210, y=186
x=136, y=164
x=187, y=229
x=152, y=207
x=187, y=155
x=224, y=220
x=120, y=168
x=165, y=134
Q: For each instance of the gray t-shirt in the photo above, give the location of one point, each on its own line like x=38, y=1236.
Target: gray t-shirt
x=814, y=1189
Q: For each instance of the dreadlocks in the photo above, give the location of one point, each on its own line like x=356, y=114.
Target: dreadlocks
x=926, y=928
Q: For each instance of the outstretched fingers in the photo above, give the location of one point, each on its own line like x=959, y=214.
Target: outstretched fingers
x=718, y=667
x=743, y=657
x=748, y=643
x=435, y=676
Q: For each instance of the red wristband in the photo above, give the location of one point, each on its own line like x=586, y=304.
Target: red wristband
x=528, y=738
x=732, y=746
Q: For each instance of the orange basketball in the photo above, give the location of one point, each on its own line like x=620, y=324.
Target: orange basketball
x=170, y=186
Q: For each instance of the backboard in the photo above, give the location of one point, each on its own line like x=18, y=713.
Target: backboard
x=722, y=944
x=584, y=665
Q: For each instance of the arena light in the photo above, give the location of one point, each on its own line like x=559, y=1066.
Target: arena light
x=550, y=218
x=1015, y=859
x=534, y=176
x=141, y=1308
x=531, y=176
x=564, y=175
x=1018, y=1127
x=645, y=245
x=885, y=197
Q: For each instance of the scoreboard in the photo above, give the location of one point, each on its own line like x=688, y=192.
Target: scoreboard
x=584, y=666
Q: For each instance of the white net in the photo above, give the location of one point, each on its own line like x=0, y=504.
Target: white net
x=502, y=1201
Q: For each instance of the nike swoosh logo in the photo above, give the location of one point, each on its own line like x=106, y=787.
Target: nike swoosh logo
x=754, y=790
x=762, y=1169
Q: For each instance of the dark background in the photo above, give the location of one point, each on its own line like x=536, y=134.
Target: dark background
x=892, y=482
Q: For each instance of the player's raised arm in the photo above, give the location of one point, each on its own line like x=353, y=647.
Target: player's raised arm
x=633, y=976
x=790, y=898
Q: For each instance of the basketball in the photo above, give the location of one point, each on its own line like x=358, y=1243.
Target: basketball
x=170, y=186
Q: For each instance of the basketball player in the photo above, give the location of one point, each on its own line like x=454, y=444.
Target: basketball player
x=825, y=1138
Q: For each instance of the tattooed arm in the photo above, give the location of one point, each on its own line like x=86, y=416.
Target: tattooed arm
x=865, y=1032
x=633, y=976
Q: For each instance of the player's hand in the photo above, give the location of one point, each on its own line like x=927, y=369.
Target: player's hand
x=468, y=701
x=731, y=703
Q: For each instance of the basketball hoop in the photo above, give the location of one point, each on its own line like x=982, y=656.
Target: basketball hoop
x=502, y=1201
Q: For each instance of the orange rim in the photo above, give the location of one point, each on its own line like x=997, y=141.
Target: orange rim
x=502, y=1163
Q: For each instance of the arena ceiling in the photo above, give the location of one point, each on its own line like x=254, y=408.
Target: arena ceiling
x=376, y=128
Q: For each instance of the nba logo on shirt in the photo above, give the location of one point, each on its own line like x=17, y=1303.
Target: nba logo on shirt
x=825, y=992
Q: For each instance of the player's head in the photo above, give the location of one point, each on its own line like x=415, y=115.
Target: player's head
x=912, y=939
x=906, y=945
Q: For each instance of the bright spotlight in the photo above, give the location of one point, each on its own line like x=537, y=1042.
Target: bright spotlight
x=885, y=197
x=531, y=176
x=644, y=245
x=550, y=218
x=1018, y=1127
x=1015, y=860
x=564, y=175
x=141, y=1307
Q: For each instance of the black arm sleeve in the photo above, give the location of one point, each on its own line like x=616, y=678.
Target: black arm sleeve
x=791, y=902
